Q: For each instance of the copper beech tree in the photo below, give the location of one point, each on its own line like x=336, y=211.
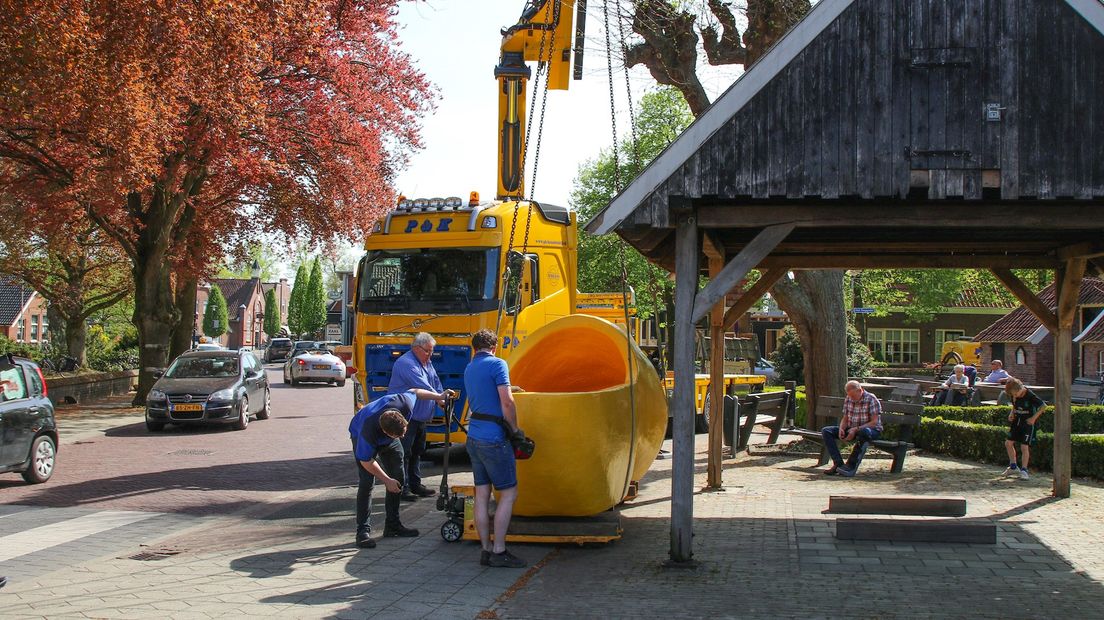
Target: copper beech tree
x=175, y=125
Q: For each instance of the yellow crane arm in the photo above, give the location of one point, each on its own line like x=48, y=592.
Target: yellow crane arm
x=542, y=34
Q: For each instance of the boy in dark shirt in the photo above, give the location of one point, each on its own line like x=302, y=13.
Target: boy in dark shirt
x=1026, y=409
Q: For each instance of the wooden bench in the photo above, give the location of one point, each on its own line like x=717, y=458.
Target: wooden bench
x=905, y=416
x=765, y=408
x=1085, y=394
x=906, y=394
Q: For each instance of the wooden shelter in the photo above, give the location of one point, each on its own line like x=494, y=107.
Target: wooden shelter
x=885, y=133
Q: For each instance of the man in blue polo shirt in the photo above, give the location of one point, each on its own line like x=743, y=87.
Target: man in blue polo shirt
x=414, y=370
x=376, y=431
x=487, y=383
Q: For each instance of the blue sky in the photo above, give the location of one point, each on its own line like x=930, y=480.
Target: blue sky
x=456, y=44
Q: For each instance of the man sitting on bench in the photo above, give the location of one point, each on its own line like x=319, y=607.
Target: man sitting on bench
x=861, y=422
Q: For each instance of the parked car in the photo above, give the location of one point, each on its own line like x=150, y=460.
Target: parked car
x=277, y=349
x=302, y=347
x=28, y=430
x=225, y=387
x=316, y=364
x=208, y=346
x=766, y=368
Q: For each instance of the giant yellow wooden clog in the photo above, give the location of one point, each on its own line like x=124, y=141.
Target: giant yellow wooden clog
x=576, y=405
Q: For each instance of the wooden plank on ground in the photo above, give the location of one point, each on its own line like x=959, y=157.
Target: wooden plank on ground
x=918, y=505
x=917, y=530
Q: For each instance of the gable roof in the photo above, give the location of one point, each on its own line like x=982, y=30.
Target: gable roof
x=237, y=292
x=1022, y=326
x=14, y=297
x=738, y=95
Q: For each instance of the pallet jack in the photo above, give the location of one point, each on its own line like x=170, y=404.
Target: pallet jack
x=458, y=504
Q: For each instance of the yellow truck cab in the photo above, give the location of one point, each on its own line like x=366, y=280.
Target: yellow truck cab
x=436, y=265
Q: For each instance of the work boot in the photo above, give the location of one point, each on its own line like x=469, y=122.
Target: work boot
x=422, y=491
x=399, y=531
x=364, y=538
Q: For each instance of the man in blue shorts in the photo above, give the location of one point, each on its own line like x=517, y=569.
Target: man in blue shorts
x=487, y=382
x=376, y=432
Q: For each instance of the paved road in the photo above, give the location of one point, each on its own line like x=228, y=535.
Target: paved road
x=117, y=486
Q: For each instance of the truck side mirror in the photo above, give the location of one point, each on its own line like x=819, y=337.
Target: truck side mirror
x=526, y=297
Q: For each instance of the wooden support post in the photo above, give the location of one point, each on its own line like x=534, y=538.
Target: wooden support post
x=682, y=402
x=716, y=381
x=1068, y=280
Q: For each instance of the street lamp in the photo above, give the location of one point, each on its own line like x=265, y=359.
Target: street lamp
x=259, y=324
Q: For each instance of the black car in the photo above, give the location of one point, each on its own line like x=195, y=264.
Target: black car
x=277, y=349
x=28, y=431
x=225, y=387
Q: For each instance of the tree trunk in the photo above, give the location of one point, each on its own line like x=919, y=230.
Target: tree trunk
x=155, y=313
x=56, y=332
x=813, y=301
x=186, y=311
x=75, y=333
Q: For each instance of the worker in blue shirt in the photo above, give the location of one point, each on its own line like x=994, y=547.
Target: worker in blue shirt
x=414, y=370
x=375, y=432
x=487, y=383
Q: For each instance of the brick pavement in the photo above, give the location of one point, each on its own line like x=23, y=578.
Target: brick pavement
x=764, y=545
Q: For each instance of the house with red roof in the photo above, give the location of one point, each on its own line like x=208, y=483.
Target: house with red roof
x=1027, y=347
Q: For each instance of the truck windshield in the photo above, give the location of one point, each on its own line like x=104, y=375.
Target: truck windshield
x=428, y=280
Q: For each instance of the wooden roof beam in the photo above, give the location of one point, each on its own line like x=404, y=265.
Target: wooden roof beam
x=1028, y=298
x=738, y=267
x=1069, y=291
x=766, y=280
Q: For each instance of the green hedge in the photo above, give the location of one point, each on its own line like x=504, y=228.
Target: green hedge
x=1085, y=419
x=985, y=443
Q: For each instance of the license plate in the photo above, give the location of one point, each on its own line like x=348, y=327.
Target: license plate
x=188, y=407
x=321, y=366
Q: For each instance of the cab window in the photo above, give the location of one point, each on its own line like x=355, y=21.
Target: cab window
x=13, y=385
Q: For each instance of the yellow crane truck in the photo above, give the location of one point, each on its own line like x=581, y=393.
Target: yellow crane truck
x=451, y=266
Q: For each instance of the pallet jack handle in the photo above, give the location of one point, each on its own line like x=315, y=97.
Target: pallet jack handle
x=442, y=495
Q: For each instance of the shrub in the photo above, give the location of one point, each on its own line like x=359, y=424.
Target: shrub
x=789, y=363
x=21, y=349
x=1085, y=419
x=979, y=442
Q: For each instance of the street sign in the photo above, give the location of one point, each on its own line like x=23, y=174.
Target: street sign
x=863, y=310
x=333, y=332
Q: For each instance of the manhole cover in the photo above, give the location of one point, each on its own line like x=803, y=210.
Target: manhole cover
x=191, y=452
x=153, y=555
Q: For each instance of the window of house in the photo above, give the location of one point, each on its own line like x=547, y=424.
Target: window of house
x=20, y=325
x=943, y=335
x=894, y=346
x=45, y=327
x=1100, y=362
x=1021, y=355
x=34, y=328
x=998, y=351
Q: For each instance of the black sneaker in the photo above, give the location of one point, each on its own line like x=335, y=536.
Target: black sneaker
x=399, y=531
x=422, y=491
x=364, y=539
x=484, y=557
x=505, y=560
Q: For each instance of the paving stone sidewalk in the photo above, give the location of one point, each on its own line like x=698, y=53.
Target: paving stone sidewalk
x=764, y=547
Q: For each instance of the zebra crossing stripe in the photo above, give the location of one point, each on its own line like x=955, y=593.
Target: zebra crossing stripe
x=46, y=536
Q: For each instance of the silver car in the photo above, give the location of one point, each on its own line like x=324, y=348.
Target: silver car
x=314, y=365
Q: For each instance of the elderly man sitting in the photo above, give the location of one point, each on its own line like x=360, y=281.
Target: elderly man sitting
x=998, y=374
x=861, y=423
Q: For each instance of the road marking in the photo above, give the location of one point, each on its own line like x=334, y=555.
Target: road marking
x=46, y=536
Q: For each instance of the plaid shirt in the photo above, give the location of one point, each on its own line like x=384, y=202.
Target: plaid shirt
x=861, y=412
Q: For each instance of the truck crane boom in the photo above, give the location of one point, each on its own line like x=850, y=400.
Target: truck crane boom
x=543, y=34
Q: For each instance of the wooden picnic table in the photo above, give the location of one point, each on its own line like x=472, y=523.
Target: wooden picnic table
x=880, y=390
